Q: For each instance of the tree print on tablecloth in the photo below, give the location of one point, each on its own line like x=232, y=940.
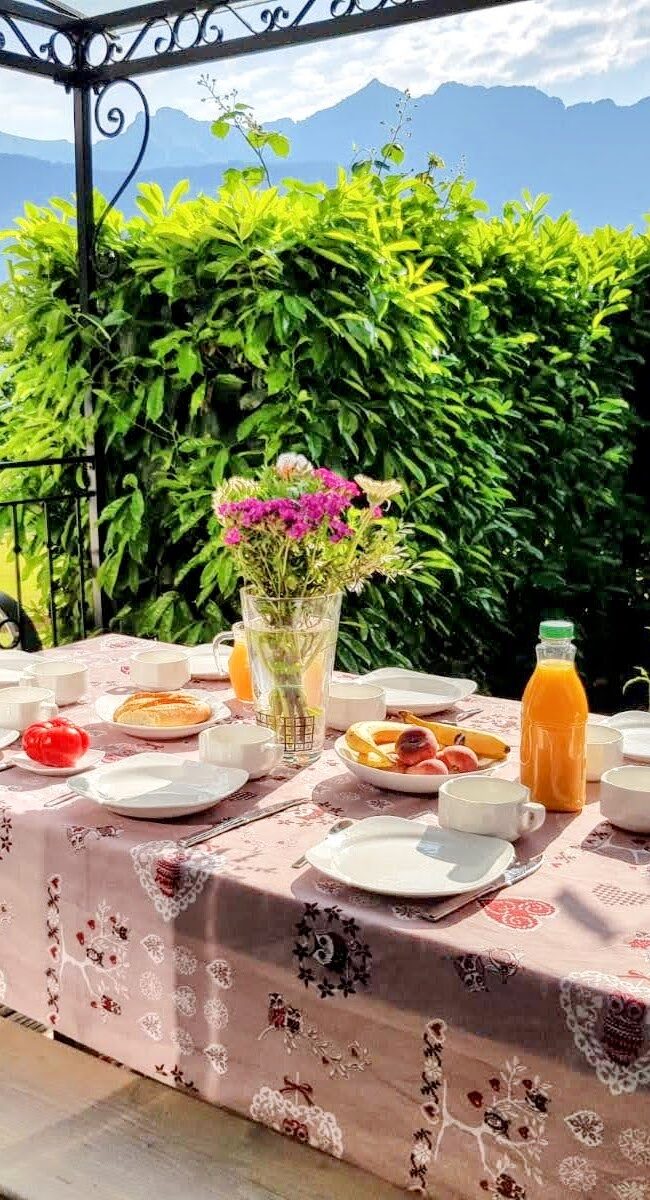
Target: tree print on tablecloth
x=299, y=1033
x=176, y=1077
x=331, y=953
x=509, y=1137
x=99, y=953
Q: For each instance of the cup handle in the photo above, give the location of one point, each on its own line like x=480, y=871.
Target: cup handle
x=48, y=711
x=532, y=816
x=220, y=640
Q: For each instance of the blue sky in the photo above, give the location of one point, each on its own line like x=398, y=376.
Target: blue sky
x=574, y=49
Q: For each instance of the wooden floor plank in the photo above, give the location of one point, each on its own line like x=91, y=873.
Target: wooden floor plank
x=75, y=1128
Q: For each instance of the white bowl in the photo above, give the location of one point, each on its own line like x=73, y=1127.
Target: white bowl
x=418, y=693
x=350, y=701
x=604, y=750
x=394, y=781
x=625, y=798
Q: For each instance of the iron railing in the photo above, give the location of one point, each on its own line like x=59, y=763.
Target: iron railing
x=72, y=509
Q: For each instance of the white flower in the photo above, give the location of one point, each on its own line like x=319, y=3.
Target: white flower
x=293, y=464
x=217, y=1057
x=150, y=986
x=184, y=999
x=216, y=1013
x=586, y=1127
x=631, y=1189
x=220, y=972
x=421, y=1155
x=155, y=947
x=185, y=960
x=378, y=491
x=183, y=1039
x=151, y=1025
x=635, y=1145
x=576, y=1174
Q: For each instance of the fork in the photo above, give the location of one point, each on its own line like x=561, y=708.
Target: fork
x=55, y=801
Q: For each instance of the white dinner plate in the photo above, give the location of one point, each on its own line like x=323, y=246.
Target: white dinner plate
x=204, y=665
x=86, y=763
x=8, y=737
x=106, y=705
x=417, y=693
x=635, y=727
x=156, y=786
x=408, y=858
x=395, y=781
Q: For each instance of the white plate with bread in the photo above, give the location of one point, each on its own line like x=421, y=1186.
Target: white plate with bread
x=161, y=716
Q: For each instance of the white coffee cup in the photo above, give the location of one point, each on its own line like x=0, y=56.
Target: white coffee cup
x=604, y=750
x=163, y=669
x=350, y=701
x=66, y=678
x=625, y=798
x=250, y=747
x=493, y=807
x=21, y=707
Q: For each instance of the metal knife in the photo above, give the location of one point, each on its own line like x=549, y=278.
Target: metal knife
x=511, y=875
x=254, y=814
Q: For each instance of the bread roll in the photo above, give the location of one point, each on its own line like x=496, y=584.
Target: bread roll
x=162, y=709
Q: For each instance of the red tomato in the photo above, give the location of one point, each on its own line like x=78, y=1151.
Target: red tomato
x=55, y=743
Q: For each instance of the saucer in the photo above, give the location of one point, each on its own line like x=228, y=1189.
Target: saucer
x=90, y=759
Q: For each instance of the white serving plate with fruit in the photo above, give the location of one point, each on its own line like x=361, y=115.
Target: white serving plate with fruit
x=417, y=692
x=416, y=757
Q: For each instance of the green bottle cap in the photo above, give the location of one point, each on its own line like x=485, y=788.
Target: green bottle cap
x=558, y=630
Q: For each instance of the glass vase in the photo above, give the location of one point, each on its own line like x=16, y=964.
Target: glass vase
x=291, y=647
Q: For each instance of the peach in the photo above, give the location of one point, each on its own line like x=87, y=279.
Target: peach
x=415, y=744
x=458, y=759
x=428, y=766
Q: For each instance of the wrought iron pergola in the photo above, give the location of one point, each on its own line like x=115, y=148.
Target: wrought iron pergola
x=90, y=55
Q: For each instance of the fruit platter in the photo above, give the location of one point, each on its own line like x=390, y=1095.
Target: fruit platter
x=416, y=756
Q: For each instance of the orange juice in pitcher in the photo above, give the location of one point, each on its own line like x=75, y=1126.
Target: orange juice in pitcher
x=553, y=721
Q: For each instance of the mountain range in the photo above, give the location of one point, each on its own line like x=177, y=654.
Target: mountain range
x=589, y=157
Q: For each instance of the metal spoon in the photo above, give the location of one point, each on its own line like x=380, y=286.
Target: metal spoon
x=336, y=828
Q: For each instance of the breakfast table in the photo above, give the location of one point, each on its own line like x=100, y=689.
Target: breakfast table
x=503, y=1052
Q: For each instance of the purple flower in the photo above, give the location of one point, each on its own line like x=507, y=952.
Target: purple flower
x=232, y=537
x=337, y=483
x=297, y=530
x=339, y=530
x=377, y=512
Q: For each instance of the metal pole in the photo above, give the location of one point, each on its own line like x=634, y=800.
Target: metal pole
x=83, y=154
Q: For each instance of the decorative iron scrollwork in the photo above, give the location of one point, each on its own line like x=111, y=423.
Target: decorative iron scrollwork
x=110, y=123
x=58, y=49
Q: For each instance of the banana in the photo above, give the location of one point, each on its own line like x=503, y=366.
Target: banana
x=483, y=744
x=365, y=737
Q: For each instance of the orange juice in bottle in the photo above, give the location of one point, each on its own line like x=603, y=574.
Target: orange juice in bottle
x=553, y=720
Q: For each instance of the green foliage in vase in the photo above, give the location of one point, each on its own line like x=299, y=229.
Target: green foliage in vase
x=382, y=326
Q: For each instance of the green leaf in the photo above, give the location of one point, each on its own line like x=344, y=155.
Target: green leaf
x=280, y=145
x=220, y=129
x=156, y=399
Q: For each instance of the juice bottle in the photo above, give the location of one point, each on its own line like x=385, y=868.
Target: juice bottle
x=553, y=720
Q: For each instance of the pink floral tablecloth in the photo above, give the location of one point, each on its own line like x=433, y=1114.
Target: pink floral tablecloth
x=504, y=1052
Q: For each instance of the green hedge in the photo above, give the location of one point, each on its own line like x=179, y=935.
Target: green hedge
x=384, y=325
